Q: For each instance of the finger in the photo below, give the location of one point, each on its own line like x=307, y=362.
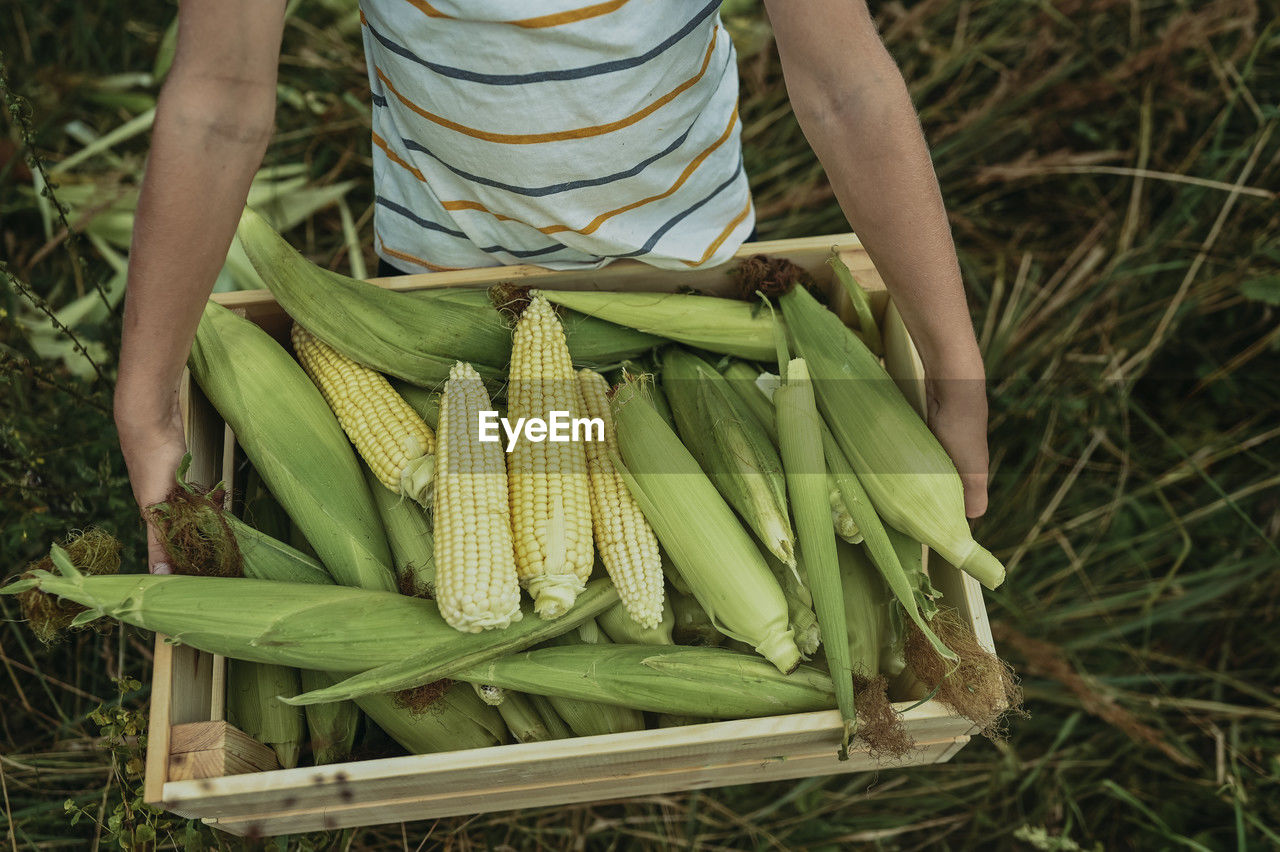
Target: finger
x=157, y=558
x=975, y=494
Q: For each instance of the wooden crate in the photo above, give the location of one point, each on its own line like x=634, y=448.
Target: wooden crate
x=198, y=766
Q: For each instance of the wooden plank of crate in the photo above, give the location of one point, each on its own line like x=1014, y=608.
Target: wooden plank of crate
x=340, y=813
x=215, y=749
x=604, y=756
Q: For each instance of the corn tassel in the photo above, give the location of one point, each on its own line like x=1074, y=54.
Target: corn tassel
x=628, y=548
x=294, y=442
x=911, y=480
x=549, y=483
x=389, y=435
x=715, y=557
x=476, y=585
x=800, y=430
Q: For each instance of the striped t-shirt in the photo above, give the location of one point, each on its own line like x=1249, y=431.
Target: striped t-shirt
x=554, y=133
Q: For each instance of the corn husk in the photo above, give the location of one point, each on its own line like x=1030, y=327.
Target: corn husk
x=425, y=402
x=415, y=339
x=332, y=727
x=732, y=447
x=456, y=721
x=691, y=624
x=715, y=557
x=309, y=626
x=800, y=431
x=911, y=480
x=522, y=719
x=702, y=682
x=556, y=726
x=294, y=442
x=727, y=326
x=252, y=689
x=409, y=537
x=800, y=615
x=592, y=718
x=622, y=629
x=866, y=609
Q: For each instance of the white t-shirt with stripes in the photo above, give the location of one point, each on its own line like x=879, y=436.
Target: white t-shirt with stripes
x=554, y=133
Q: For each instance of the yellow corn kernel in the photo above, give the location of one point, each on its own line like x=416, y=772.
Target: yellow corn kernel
x=476, y=586
x=550, y=487
x=628, y=547
x=390, y=436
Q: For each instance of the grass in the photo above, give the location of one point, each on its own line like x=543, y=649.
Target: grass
x=1110, y=170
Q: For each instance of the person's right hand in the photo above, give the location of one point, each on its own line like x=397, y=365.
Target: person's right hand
x=153, y=444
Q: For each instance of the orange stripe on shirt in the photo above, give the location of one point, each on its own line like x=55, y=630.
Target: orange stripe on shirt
x=561, y=135
x=400, y=255
x=595, y=223
x=724, y=235
x=541, y=21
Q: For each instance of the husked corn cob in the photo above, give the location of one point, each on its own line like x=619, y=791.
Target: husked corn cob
x=390, y=436
x=476, y=585
x=627, y=545
x=549, y=484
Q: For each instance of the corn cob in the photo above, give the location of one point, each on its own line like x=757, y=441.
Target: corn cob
x=702, y=682
x=390, y=436
x=556, y=726
x=716, y=557
x=731, y=446
x=332, y=727
x=549, y=483
x=476, y=585
x=742, y=379
x=267, y=558
x=294, y=442
x=522, y=719
x=410, y=538
x=309, y=626
x=627, y=545
x=457, y=720
x=800, y=430
x=252, y=689
x=727, y=326
x=911, y=480
x=622, y=629
x=417, y=340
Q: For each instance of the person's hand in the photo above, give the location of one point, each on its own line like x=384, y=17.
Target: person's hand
x=153, y=444
x=958, y=417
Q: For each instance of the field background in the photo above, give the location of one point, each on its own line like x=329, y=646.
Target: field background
x=1110, y=167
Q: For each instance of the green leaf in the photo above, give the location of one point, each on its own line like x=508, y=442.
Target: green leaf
x=1265, y=289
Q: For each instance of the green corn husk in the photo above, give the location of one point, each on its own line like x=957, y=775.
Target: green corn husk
x=266, y=558
x=556, y=726
x=622, y=629
x=455, y=721
x=308, y=626
x=592, y=718
x=879, y=544
x=426, y=403
x=866, y=609
x=522, y=719
x=294, y=442
x=670, y=720
x=662, y=404
x=716, y=557
x=741, y=378
x=911, y=480
x=332, y=727
x=870, y=332
x=702, y=682
x=415, y=339
x=692, y=625
x=732, y=447
x=726, y=326
x=409, y=536
x=492, y=695
x=800, y=430
x=252, y=689
x=800, y=615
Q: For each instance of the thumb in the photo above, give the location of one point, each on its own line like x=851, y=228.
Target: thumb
x=157, y=557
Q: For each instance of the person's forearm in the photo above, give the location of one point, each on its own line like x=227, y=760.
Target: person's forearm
x=208, y=141
x=865, y=132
